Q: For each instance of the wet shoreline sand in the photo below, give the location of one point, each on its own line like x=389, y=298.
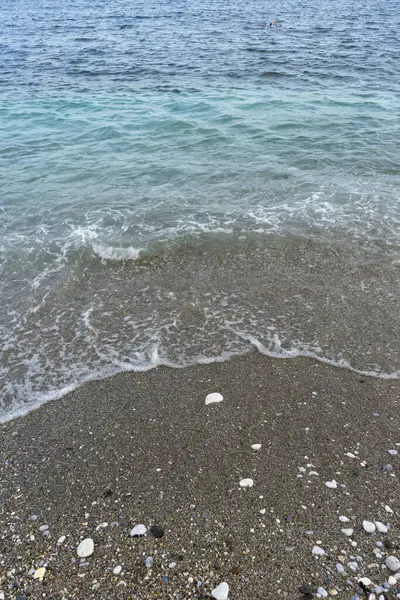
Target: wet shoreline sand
x=144, y=448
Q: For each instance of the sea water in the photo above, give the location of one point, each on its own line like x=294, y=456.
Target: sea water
x=181, y=183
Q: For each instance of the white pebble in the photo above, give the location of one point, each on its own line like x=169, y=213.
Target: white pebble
x=85, y=548
x=61, y=540
x=392, y=452
x=263, y=511
x=343, y=519
x=322, y=592
x=388, y=509
x=392, y=580
x=381, y=527
x=139, y=530
x=245, y=483
x=369, y=527
x=350, y=455
x=365, y=581
x=117, y=570
x=221, y=592
x=43, y=528
x=348, y=532
x=255, y=446
x=39, y=573
x=318, y=551
x=392, y=563
x=213, y=398
x=172, y=565
x=339, y=568
x=331, y=484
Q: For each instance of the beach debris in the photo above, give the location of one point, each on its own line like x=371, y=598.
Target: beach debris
x=157, y=531
x=213, y=398
x=369, y=527
x=392, y=563
x=331, y=484
x=39, y=573
x=85, y=548
x=117, y=570
x=318, y=551
x=246, y=483
x=349, y=532
x=381, y=527
x=221, y=592
x=255, y=446
x=139, y=530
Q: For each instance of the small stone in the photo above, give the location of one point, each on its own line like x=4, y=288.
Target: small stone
x=318, y=551
x=263, y=511
x=221, y=592
x=392, y=563
x=255, y=446
x=369, y=527
x=307, y=590
x=365, y=581
x=331, y=484
x=85, y=548
x=43, y=528
x=172, y=565
x=246, y=483
x=348, y=532
x=387, y=468
x=322, y=592
x=149, y=562
x=339, y=568
x=157, y=531
x=33, y=518
x=392, y=580
x=343, y=519
x=388, y=509
x=350, y=455
x=139, y=530
x=213, y=398
x=381, y=527
x=61, y=540
x=235, y=570
x=392, y=452
x=39, y=573
x=117, y=570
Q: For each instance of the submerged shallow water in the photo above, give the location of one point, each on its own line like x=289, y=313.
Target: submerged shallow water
x=182, y=183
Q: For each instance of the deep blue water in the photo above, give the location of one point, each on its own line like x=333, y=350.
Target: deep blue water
x=181, y=182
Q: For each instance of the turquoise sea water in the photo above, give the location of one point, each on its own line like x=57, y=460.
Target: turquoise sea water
x=180, y=183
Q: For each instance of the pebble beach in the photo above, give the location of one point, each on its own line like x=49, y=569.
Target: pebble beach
x=254, y=478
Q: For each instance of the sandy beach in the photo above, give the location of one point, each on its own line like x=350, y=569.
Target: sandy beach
x=145, y=449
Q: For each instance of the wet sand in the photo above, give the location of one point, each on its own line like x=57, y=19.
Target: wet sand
x=144, y=448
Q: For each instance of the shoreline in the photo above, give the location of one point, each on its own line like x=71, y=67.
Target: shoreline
x=143, y=448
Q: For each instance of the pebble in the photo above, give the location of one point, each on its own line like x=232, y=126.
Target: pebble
x=221, y=592
x=339, y=568
x=263, y=511
x=117, y=570
x=43, y=528
x=365, y=581
x=392, y=580
x=61, y=540
x=392, y=563
x=392, y=452
x=387, y=468
x=322, y=592
x=39, y=573
x=331, y=484
x=343, y=519
x=172, y=565
x=348, y=532
x=139, y=530
x=149, y=562
x=381, y=527
x=85, y=548
x=245, y=483
x=213, y=398
x=157, y=531
x=255, y=446
x=388, y=509
x=318, y=551
x=369, y=527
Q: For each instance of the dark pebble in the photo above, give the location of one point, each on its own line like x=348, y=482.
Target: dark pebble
x=388, y=544
x=307, y=590
x=108, y=493
x=157, y=531
x=235, y=570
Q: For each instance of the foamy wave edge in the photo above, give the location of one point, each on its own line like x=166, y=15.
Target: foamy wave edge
x=41, y=399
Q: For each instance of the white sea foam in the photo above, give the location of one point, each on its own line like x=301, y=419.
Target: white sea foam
x=112, y=253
